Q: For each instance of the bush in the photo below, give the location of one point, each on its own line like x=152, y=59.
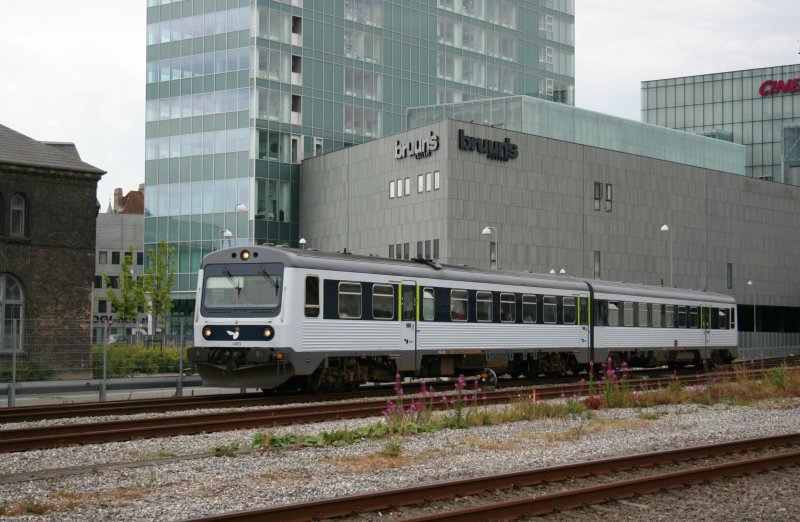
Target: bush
x=129, y=361
x=26, y=371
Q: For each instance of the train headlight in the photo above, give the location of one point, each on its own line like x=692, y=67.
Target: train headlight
x=206, y=332
x=268, y=332
x=245, y=255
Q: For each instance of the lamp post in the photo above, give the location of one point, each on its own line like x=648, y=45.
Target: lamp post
x=753, y=288
x=302, y=243
x=666, y=228
x=488, y=231
x=240, y=207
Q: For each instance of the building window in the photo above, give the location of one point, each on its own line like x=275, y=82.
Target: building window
x=113, y=281
x=428, y=182
x=17, y=216
x=12, y=306
x=398, y=251
x=399, y=188
x=598, y=195
x=391, y=251
x=730, y=275
x=114, y=258
x=428, y=249
x=436, y=249
x=596, y=265
x=317, y=146
x=405, y=251
x=102, y=306
x=408, y=186
x=140, y=258
x=608, y=197
x=419, y=249
x=421, y=183
x=436, y=180
x=391, y=190
x=98, y=281
x=102, y=257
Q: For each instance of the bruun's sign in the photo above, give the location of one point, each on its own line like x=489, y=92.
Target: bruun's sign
x=496, y=150
x=418, y=148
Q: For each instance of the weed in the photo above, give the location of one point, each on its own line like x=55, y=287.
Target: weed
x=34, y=507
x=393, y=447
x=224, y=450
x=651, y=415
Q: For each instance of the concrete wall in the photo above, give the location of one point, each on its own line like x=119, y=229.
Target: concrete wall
x=542, y=206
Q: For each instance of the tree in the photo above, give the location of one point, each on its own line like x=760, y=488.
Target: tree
x=158, y=279
x=128, y=299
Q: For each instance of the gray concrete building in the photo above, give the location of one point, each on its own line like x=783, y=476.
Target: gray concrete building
x=119, y=228
x=587, y=193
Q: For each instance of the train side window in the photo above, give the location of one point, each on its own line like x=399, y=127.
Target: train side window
x=613, y=313
x=644, y=316
x=312, y=296
x=568, y=311
x=382, y=300
x=723, y=319
x=550, y=309
x=458, y=305
x=428, y=304
x=669, y=316
x=656, y=315
x=483, y=307
x=508, y=308
x=693, y=322
x=350, y=300
x=681, y=317
x=714, y=316
x=628, y=313
x=732, y=315
x=528, y=308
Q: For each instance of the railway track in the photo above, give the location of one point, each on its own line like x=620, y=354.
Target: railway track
x=52, y=436
x=433, y=497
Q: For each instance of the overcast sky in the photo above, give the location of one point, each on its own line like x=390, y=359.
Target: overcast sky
x=74, y=71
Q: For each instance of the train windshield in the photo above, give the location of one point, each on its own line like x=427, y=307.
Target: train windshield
x=243, y=287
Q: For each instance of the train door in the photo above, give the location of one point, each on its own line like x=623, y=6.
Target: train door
x=408, y=325
x=583, y=321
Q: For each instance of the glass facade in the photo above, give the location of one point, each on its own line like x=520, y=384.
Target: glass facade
x=758, y=108
x=240, y=91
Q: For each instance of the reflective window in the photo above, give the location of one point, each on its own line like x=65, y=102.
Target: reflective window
x=458, y=305
x=644, y=315
x=12, y=301
x=628, y=314
x=508, y=308
x=569, y=313
x=483, y=306
x=613, y=313
x=669, y=316
x=428, y=304
x=681, y=317
x=350, y=300
x=693, y=318
x=656, y=316
x=18, y=211
x=528, y=308
x=550, y=309
x=382, y=301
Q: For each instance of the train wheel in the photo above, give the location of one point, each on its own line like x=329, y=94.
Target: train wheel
x=488, y=379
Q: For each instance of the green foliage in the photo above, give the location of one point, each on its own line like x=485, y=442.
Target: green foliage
x=393, y=447
x=33, y=506
x=26, y=370
x=779, y=377
x=128, y=299
x=158, y=280
x=129, y=361
x=224, y=450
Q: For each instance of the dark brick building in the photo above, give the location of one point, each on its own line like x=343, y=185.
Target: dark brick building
x=48, y=208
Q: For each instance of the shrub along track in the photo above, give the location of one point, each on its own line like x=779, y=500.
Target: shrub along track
x=511, y=495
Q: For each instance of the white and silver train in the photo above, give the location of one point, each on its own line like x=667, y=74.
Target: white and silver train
x=271, y=317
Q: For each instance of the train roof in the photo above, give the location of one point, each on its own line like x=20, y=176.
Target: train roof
x=419, y=268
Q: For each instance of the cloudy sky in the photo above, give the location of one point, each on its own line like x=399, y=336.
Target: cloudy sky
x=74, y=71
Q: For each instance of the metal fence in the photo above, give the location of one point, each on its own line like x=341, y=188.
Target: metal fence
x=763, y=345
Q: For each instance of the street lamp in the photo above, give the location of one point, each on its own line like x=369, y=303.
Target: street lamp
x=665, y=228
x=240, y=207
x=488, y=231
x=303, y=243
x=226, y=236
x=753, y=288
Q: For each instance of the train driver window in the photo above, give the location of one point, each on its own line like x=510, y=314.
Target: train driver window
x=528, y=308
x=508, y=308
x=312, y=296
x=681, y=317
x=644, y=315
x=550, y=309
x=382, y=299
x=669, y=316
x=483, y=306
x=568, y=312
x=350, y=300
x=458, y=305
x=428, y=304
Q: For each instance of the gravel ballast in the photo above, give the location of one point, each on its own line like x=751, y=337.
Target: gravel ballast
x=179, y=489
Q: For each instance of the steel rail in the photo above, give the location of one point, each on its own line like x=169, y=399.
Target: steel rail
x=344, y=506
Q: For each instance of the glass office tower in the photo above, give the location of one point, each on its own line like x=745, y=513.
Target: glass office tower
x=758, y=108
x=240, y=91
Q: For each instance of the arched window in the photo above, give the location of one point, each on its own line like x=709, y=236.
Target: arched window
x=17, y=222
x=12, y=306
